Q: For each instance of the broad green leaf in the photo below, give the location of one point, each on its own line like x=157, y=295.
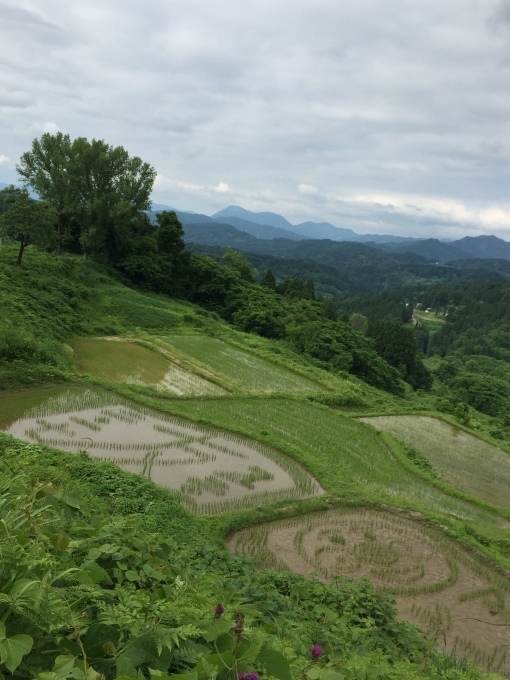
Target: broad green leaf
x=60, y=542
x=16, y=646
x=275, y=664
x=95, y=573
x=216, y=628
x=63, y=665
x=161, y=675
x=132, y=575
x=71, y=501
x=153, y=573
x=3, y=653
x=98, y=638
x=23, y=585
x=94, y=554
x=225, y=643
x=333, y=675
x=313, y=673
x=125, y=668
x=221, y=662
x=2, y=630
x=20, y=536
x=248, y=651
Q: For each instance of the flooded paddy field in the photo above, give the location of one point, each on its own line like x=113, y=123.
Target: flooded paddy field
x=459, y=458
x=456, y=599
x=121, y=361
x=245, y=368
x=211, y=471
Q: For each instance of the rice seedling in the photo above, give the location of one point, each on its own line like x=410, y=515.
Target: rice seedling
x=460, y=602
x=129, y=362
x=342, y=451
x=454, y=454
x=218, y=471
x=245, y=369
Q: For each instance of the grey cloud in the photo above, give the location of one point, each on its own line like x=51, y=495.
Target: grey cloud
x=357, y=98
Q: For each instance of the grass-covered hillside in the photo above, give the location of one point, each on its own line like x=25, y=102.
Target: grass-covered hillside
x=274, y=523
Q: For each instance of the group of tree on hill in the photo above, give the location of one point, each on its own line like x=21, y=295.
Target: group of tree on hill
x=93, y=200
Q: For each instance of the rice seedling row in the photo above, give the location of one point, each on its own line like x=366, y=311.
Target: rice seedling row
x=455, y=454
x=340, y=451
x=212, y=468
x=245, y=368
x=122, y=361
x=460, y=602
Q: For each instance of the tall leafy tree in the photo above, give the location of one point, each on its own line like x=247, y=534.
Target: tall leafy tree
x=396, y=344
x=99, y=192
x=268, y=280
x=26, y=220
x=174, y=262
x=233, y=259
x=48, y=169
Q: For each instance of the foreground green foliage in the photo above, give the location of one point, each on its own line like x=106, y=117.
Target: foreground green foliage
x=87, y=593
x=51, y=300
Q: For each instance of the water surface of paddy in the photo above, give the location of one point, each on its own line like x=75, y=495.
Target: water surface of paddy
x=212, y=471
x=121, y=361
x=244, y=367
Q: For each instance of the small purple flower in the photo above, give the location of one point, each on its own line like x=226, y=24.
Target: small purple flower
x=317, y=652
x=248, y=676
x=218, y=611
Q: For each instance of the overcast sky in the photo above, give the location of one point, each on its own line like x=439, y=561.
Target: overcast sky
x=385, y=117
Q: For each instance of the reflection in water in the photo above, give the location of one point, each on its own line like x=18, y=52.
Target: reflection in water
x=210, y=470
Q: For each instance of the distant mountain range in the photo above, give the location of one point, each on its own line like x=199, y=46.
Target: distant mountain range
x=272, y=234
x=305, y=230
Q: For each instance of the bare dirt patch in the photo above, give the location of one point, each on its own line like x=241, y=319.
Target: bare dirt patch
x=456, y=599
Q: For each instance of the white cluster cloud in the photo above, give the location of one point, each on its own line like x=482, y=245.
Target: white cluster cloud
x=384, y=117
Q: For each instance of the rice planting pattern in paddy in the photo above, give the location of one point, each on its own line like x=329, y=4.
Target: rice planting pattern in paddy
x=458, y=601
x=338, y=450
x=121, y=361
x=458, y=457
x=245, y=368
x=210, y=470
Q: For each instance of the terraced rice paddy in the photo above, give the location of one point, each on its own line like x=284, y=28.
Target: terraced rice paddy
x=458, y=601
x=211, y=471
x=121, y=361
x=244, y=368
x=458, y=457
x=343, y=452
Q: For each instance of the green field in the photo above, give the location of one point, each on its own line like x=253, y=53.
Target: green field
x=436, y=585
x=247, y=370
x=211, y=471
x=174, y=361
x=344, y=454
x=460, y=458
x=127, y=362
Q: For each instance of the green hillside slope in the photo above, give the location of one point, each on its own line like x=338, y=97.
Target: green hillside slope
x=105, y=574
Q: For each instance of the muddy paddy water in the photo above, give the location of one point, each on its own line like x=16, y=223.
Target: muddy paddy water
x=457, y=600
x=118, y=360
x=211, y=471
